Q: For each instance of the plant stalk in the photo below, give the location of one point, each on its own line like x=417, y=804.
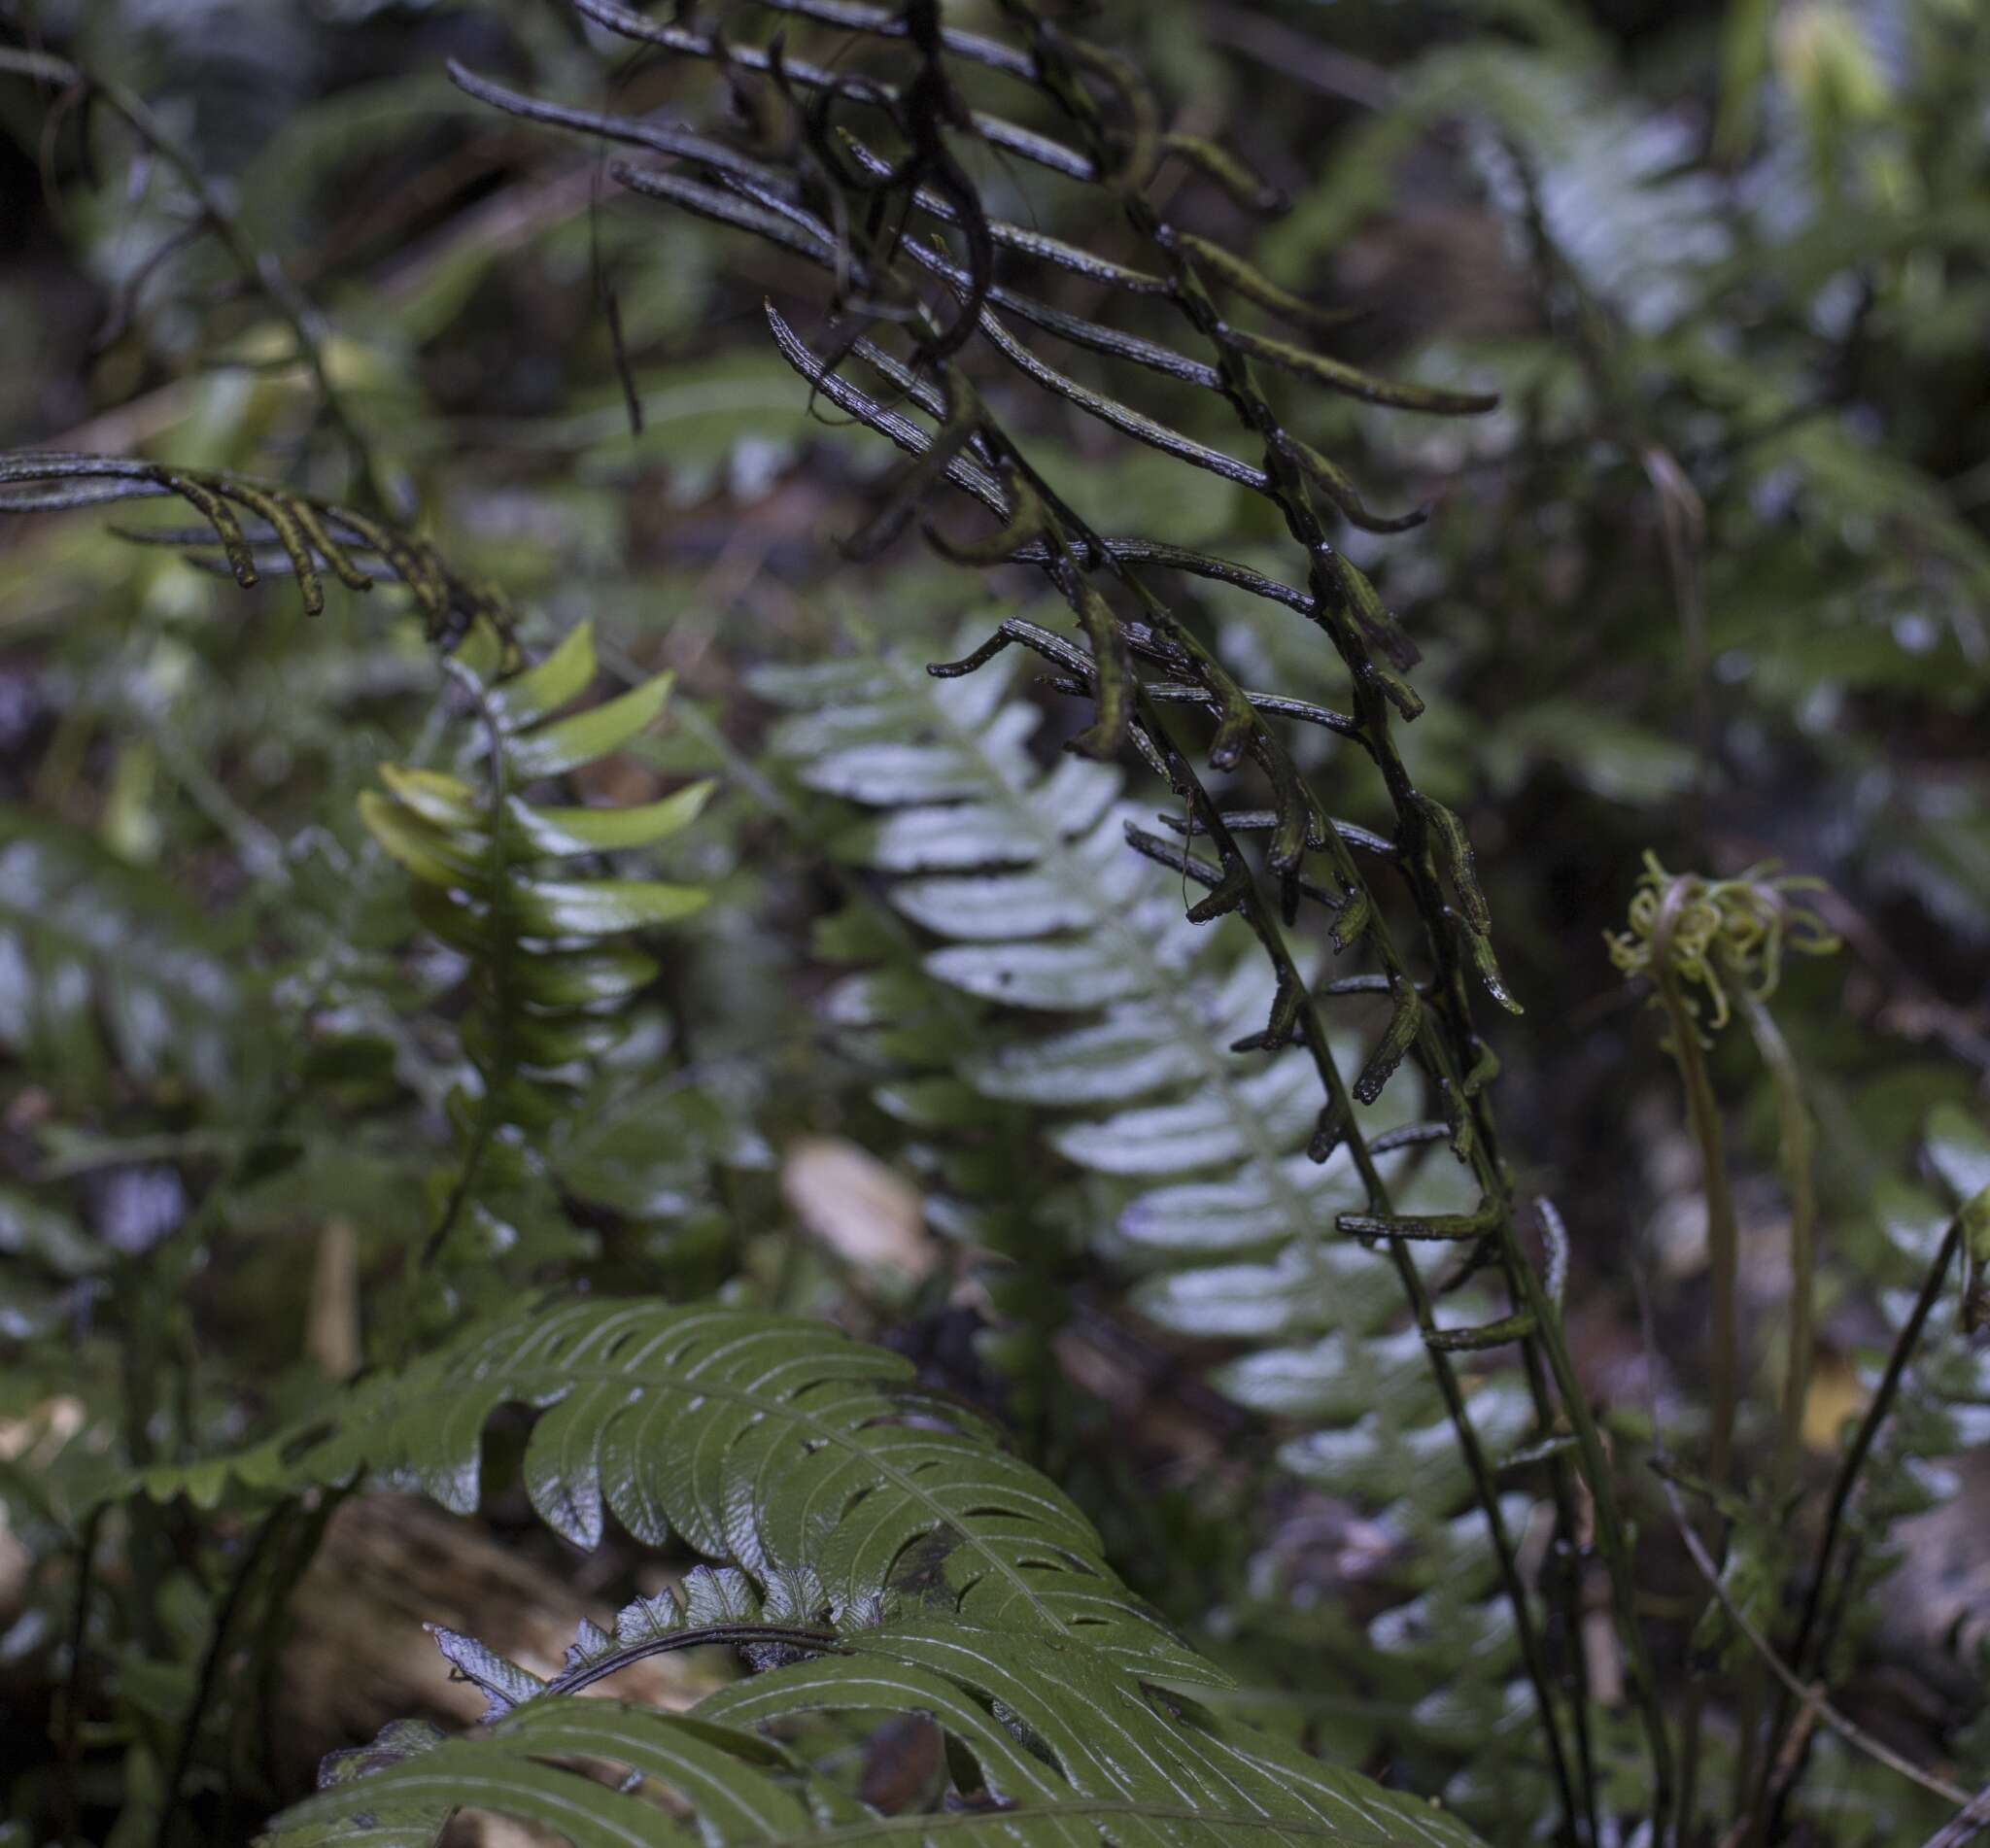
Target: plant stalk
x=1816, y=1630
x=1723, y=1241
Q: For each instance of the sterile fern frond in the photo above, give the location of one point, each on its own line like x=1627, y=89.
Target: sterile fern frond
x=879, y=1555
x=814, y=1464
x=553, y=964
x=1038, y=1753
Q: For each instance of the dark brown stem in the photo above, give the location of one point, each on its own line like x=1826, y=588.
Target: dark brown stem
x=1818, y=1628
x=259, y=271
x=69, y=1794
x=733, y=1636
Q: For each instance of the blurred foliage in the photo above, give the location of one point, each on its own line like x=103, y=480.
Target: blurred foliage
x=1712, y=582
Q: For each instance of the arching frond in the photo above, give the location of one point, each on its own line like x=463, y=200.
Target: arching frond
x=880, y=1550
x=252, y=525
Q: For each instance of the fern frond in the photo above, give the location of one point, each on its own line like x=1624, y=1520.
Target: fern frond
x=553, y=967
x=100, y=958
x=814, y=1464
x=872, y=1528
x=1105, y=1022
x=252, y=524
x=1026, y=877
x=1942, y=1403
x=1040, y=1754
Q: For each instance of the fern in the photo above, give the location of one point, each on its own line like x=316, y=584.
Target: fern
x=1199, y=1163
x=828, y=202
x=870, y=1528
x=551, y=955
x=1050, y=1755
x=301, y=531
x=518, y=887
x=1941, y=1406
x=101, y=961
x=552, y=964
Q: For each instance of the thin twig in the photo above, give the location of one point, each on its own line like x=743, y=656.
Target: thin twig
x=1818, y=1628
x=259, y=269
x=1811, y=1698
x=1958, y=1830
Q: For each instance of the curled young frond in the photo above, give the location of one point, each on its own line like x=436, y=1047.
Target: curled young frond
x=1700, y=933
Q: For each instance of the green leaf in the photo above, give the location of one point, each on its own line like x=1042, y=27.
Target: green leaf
x=541, y=690
x=35, y=1231
x=1959, y=1150
x=1059, y=978
x=1014, y=871
x=441, y=800
x=423, y=851
x=103, y=961
x=1204, y=1130
x=565, y=744
x=582, y=978
x=549, y=995
x=1115, y=1767
x=812, y=1456
x=915, y=1566
x=600, y=907
x=562, y=832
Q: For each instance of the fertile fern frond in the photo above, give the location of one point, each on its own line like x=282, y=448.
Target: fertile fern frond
x=284, y=527
x=875, y=1545
x=797, y=209
x=552, y=964
x=847, y=173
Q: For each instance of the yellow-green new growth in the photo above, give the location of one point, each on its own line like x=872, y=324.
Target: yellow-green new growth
x=1698, y=933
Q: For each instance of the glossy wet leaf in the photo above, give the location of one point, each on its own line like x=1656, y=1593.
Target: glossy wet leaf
x=553, y=748
x=564, y=831
x=602, y=908
x=915, y=1567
